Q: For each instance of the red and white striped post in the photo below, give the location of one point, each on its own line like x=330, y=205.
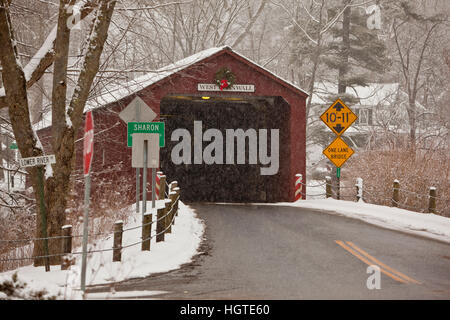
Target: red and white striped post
x=158, y=178
x=298, y=186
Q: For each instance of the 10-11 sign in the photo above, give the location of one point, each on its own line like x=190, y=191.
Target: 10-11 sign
x=332, y=117
x=338, y=117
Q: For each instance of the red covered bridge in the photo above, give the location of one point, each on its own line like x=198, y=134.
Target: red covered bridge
x=187, y=92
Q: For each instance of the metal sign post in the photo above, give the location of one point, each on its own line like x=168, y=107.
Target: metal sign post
x=138, y=191
x=144, y=180
x=146, y=157
x=40, y=161
x=338, y=176
x=138, y=170
x=153, y=187
x=338, y=117
x=43, y=217
x=88, y=152
x=137, y=111
x=87, y=190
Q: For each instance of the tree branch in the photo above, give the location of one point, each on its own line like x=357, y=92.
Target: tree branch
x=91, y=62
x=45, y=56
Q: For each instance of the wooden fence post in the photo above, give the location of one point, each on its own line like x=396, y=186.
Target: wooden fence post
x=160, y=225
x=396, y=193
x=162, y=187
x=117, y=246
x=66, y=262
x=158, y=184
x=432, y=200
x=168, y=206
x=359, y=189
x=173, y=185
x=177, y=191
x=328, y=186
x=172, y=196
x=67, y=240
x=146, y=231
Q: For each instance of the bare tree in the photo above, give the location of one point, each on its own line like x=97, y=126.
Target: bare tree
x=66, y=119
x=413, y=35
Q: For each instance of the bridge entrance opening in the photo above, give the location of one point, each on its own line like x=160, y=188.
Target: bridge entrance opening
x=214, y=161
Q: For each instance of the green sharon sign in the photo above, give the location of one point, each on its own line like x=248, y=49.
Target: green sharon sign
x=145, y=127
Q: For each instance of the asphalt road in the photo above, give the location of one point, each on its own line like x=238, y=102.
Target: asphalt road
x=273, y=252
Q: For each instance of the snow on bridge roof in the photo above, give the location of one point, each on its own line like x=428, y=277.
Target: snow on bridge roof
x=120, y=91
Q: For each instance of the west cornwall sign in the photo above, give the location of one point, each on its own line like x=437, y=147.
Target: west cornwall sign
x=234, y=88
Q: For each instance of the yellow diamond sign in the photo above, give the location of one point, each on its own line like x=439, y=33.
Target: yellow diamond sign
x=338, y=117
x=338, y=152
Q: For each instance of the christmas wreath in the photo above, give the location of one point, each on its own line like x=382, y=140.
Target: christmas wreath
x=224, y=78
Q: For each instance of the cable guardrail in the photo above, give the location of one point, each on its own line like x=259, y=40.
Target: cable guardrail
x=92, y=235
x=412, y=192
x=400, y=197
x=312, y=186
x=343, y=187
x=399, y=204
x=174, y=205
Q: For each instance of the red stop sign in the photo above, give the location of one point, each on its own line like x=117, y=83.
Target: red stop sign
x=88, y=149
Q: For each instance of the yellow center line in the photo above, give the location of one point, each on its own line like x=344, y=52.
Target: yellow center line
x=341, y=243
x=398, y=273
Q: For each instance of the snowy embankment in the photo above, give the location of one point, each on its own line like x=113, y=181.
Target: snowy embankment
x=427, y=225
x=178, y=248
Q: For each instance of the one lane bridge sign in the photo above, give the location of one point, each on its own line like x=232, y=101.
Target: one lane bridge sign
x=338, y=117
x=338, y=152
x=145, y=127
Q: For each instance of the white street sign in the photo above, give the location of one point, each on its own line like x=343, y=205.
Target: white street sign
x=137, y=153
x=37, y=161
x=137, y=111
x=234, y=88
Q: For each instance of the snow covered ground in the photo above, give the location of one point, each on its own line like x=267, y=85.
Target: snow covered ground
x=178, y=248
x=183, y=243
x=427, y=225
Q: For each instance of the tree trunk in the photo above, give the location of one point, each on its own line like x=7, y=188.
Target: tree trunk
x=344, y=55
x=56, y=186
x=412, y=127
x=343, y=69
x=17, y=100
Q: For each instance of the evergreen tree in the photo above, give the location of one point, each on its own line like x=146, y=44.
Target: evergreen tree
x=354, y=51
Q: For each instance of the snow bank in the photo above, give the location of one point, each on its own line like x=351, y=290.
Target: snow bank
x=427, y=225
x=178, y=248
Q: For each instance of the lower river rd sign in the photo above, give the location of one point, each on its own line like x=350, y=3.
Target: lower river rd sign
x=37, y=161
x=338, y=152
